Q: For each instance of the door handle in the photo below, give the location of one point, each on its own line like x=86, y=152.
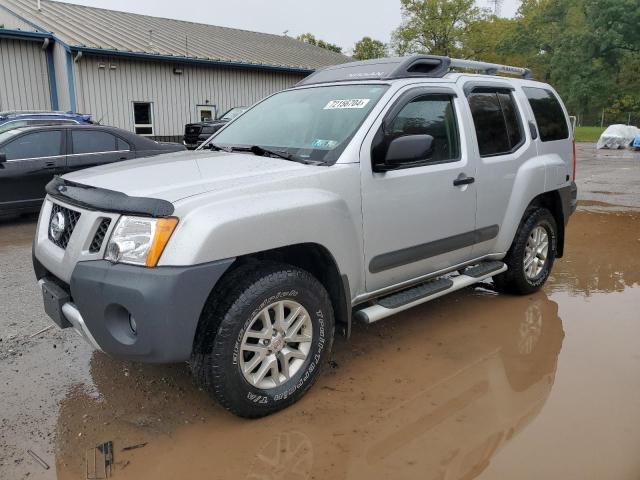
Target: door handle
x=463, y=181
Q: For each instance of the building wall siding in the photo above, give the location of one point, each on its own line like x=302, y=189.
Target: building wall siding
x=106, y=87
x=24, y=77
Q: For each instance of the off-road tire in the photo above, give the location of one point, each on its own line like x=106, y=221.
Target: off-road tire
x=514, y=280
x=227, y=315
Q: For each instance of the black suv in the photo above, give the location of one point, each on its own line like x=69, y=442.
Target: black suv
x=196, y=133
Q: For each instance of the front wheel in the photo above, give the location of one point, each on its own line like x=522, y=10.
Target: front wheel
x=274, y=334
x=531, y=256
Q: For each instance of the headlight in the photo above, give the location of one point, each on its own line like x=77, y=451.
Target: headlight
x=139, y=240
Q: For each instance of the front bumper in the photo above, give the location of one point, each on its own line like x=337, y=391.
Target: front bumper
x=165, y=303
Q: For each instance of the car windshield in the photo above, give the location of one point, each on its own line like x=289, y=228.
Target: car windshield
x=311, y=123
x=233, y=113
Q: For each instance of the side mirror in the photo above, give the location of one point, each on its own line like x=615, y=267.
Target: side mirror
x=3, y=157
x=407, y=150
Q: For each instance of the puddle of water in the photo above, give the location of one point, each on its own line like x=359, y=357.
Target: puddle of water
x=541, y=386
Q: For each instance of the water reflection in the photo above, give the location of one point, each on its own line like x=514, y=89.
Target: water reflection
x=432, y=393
x=602, y=254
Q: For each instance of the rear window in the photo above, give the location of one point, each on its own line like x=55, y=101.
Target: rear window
x=550, y=118
x=93, y=141
x=496, y=120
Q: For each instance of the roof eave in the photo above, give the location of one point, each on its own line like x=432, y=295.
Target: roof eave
x=190, y=60
x=24, y=35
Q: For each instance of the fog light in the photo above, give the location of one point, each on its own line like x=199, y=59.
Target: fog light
x=132, y=324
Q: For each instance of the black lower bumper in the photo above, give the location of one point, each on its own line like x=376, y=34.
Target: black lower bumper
x=164, y=303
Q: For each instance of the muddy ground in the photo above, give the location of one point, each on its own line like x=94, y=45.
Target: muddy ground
x=471, y=385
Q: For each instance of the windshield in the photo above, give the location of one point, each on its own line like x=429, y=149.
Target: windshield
x=311, y=123
x=233, y=113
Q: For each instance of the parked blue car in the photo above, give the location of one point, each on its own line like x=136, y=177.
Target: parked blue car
x=11, y=120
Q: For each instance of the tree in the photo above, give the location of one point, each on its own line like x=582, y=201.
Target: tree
x=312, y=40
x=435, y=26
x=368, y=48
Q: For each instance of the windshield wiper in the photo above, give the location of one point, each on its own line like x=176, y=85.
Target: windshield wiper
x=213, y=146
x=261, y=151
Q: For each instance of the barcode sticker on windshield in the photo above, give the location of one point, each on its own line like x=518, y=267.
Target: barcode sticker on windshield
x=347, y=103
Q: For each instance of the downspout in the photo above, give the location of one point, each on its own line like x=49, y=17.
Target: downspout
x=51, y=72
x=71, y=80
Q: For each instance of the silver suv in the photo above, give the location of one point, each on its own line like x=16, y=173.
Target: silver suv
x=367, y=189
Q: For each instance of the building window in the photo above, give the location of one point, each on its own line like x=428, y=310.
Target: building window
x=143, y=118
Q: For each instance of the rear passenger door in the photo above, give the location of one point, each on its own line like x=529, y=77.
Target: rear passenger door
x=91, y=146
x=503, y=144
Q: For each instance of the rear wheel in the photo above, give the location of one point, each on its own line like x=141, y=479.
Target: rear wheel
x=273, y=333
x=531, y=256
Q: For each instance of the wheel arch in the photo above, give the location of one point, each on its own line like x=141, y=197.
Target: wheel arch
x=553, y=202
x=312, y=257
x=317, y=260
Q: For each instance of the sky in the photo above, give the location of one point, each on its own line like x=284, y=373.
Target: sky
x=342, y=22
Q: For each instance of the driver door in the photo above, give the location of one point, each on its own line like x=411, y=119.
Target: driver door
x=416, y=220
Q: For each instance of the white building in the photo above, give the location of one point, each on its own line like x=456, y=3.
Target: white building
x=145, y=74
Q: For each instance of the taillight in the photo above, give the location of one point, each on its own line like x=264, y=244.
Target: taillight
x=574, y=160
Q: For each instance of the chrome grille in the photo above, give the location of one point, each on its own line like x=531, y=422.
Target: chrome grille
x=98, y=238
x=71, y=217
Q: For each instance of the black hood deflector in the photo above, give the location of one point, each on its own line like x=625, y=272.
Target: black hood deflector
x=101, y=199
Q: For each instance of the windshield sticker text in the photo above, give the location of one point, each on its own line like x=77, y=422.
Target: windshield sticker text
x=347, y=103
x=324, y=144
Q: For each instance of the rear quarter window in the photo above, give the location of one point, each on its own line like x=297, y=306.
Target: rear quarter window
x=550, y=118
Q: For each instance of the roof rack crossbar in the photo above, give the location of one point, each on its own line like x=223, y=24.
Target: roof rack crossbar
x=490, y=68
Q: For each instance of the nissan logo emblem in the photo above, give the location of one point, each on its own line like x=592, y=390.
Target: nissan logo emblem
x=58, y=226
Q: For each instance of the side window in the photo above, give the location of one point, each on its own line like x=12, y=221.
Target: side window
x=497, y=121
x=121, y=145
x=430, y=115
x=92, y=141
x=550, y=118
x=143, y=118
x=35, y=145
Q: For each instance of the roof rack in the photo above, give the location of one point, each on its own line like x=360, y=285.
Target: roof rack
x=490, y=68
x=426, y=66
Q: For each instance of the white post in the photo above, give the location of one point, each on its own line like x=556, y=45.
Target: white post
x=39, y=5
x=602, y=120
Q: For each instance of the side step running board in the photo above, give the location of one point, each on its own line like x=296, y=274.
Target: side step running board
x=405, y=299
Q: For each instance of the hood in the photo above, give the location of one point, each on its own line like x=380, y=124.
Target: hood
x=175, y=176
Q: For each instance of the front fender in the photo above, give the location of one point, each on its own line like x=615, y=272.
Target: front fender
x=256, y=222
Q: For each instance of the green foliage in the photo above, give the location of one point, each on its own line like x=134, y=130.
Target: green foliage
x=312, y=40
x=368, y=48
x=589, y=50
x=435, y=26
